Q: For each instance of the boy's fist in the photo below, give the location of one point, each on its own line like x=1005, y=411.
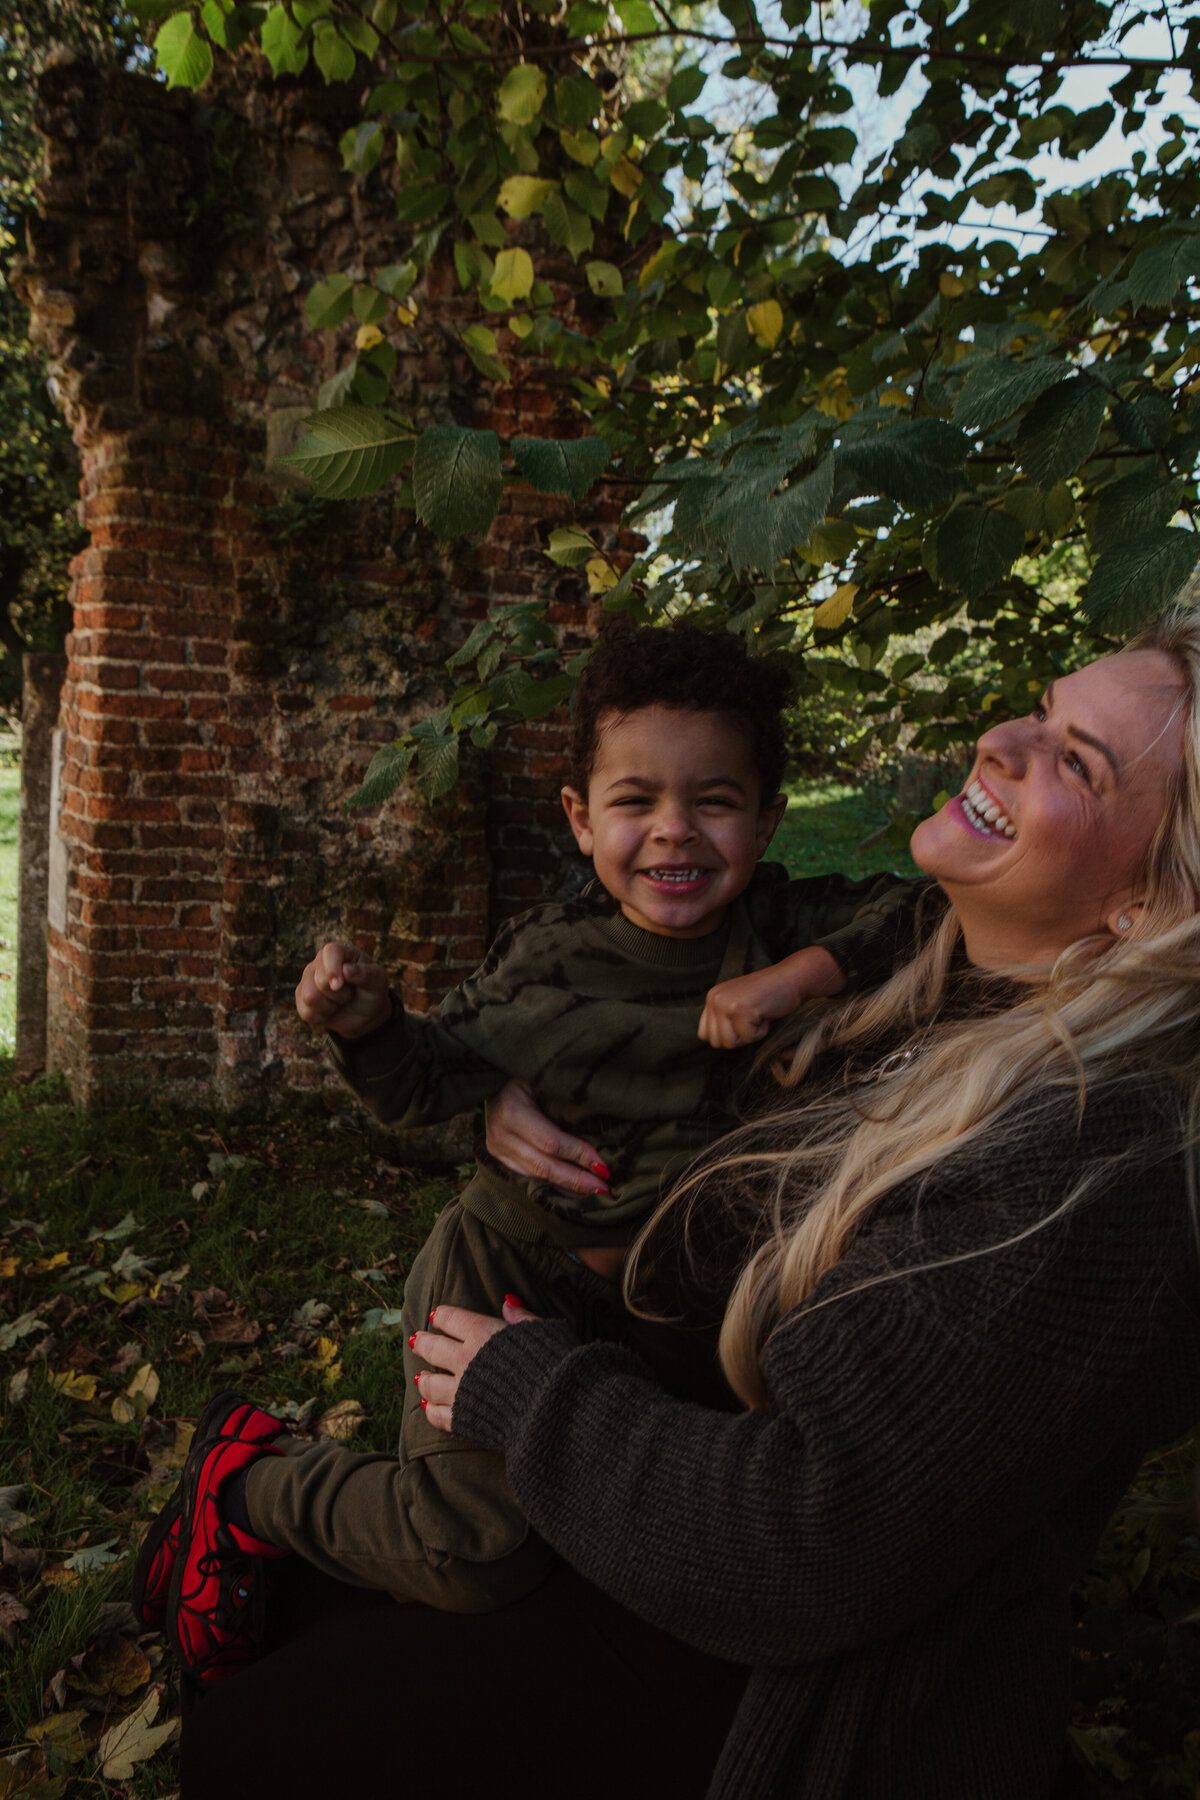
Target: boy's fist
x=342, y=990
x=743, y=1010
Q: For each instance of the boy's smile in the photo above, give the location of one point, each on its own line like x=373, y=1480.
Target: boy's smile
x=672, y=818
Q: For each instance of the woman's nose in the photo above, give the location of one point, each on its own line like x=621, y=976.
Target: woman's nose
x=1008, y=745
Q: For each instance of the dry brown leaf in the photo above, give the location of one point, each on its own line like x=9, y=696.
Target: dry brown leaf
x=25, y=1777
x=234, y=1328
x=112, y=1665
x=341, y=1420
x=12, y=1614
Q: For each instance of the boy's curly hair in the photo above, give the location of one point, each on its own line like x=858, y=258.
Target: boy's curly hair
x=695, y=668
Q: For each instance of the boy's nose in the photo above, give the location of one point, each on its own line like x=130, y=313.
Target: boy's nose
x=674, y=826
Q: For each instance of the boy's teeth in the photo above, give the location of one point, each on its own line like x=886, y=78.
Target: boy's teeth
x=676, y=874
x=984, y=814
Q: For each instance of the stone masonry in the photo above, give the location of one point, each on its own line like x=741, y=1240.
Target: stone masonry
x=240, y=650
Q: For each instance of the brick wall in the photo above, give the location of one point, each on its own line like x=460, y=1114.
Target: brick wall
x=237, y=657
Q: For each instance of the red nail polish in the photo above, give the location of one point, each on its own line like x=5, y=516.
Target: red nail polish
x=431, y=1315
x=601, y=1169
x=424, y=1405
x=412, y=1342
x=416, y=1380
x=602, y=1193
x=512, y=1300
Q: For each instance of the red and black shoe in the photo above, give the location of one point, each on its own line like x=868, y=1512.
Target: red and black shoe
x=216, y=1601
x=155, y=1565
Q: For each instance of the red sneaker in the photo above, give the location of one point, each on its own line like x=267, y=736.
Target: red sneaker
x=155, y=1565
x=217, y=1594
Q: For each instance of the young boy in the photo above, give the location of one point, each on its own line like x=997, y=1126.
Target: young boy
x=615, y=1008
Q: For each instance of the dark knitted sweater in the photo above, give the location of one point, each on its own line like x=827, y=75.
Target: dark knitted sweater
x=891, y=1546
x=600, y=1018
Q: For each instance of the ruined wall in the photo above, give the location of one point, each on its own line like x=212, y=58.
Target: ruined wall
x=239, y=651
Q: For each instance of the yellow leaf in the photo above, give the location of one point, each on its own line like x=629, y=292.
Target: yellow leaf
x=766, y=322
x=145, y=1384
x=836, y=610
x=521, y=195
x=134, y=1738
x=833, y=395
x=341, y=1420
x=659, y=264
x=569, y=546
x=44, y=1264
x=324, y=1351
x=600, y=576
x=950, y=286
x=989, y=700
x=9, y=1266
x=513, y=276
x=630, y=216
x=367, y=336
x=406, y=312
x=894, y=396
x=625, y=176
x=75, y=1387
x=520, y=324
x=581, y=146
x=333, y=1374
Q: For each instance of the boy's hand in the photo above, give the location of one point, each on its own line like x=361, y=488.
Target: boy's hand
x=743, y=1010
x=342, y=990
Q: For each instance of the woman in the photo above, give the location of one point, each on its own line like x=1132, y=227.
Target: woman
x=966, y=1306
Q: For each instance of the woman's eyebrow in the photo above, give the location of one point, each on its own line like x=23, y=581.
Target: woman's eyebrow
x=1085, y=737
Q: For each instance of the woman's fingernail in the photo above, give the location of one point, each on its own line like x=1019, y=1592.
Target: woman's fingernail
x=601, y=1169
x=424, y=1406
x=412, y=1342
x=512, y=1300
x=431, y=1315
x=602, y=1193
x=416, y=1380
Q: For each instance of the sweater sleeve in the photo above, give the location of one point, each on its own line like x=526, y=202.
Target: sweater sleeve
x=418, y=1068
x=874, y=927
x=922, y=1421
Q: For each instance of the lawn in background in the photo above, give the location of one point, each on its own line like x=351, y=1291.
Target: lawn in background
x=835, y=825
x=10, y=794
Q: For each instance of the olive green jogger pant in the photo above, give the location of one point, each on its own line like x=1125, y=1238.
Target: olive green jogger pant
x=437, y=1523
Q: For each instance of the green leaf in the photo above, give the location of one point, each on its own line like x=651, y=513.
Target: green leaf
x=637, y=15
x=555, y=466
x=918, y=462
x=977, y=546
x=1134, y=507
x=1135, y=579
x=576, y=101
x=351, y=451
x=569, y=546
x=522, y=94
x=480, y=345
x=605, y=278
x=764, y=530
x=685, y=86
x=387, y=770
x=328, y=302
x=1001, y=386
x=336, y=391
x=437, y=757
x=1059, y=431
x=332, y=54
x=568, y=226
x=369, y=305
x=184, y=57
x=456, y=479
x=283, y=43
x=512, y=278
x=535, y=699
x=523, y=195
x=1158, y=272
x=1144, y=423
x=482, y=634
x=586, y=18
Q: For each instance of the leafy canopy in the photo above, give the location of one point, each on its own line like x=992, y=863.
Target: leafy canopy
x=863, y=336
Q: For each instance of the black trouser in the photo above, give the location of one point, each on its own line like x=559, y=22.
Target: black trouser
x=562, y=1694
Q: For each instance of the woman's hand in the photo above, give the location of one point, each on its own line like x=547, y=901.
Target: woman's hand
x=342, y=990
x=450, y=1346
x=520, y=1136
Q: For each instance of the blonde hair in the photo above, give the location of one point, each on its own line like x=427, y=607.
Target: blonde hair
x=801, y=1184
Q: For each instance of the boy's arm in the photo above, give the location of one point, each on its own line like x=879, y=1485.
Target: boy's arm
x=862, y=931
x=412, y=1069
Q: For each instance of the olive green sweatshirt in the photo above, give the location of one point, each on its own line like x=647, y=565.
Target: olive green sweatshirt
x=600, y=1018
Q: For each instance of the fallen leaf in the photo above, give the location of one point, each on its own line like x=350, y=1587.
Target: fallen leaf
x=11, y=1519
x=16, y=1329
x=134, y=1739
x=112, y=1665
x=93, y=1556
x=60, y=1737
x=26, y=1775
x=73, y=1385
x=18, y=1387
x=207, y=1301
x=123, y=1228
x=9, y=1266
x=24, y=1563
x=42, y=1265
x=12, y=1614
x=341, y=1420
x=234, y=1328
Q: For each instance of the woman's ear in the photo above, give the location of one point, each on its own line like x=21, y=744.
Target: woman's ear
x=576, y=809
x=1122, y=919
x=768, y=823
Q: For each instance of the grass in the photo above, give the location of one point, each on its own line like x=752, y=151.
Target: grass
x=831, y=824
x=147, y=1259
x=10, y=794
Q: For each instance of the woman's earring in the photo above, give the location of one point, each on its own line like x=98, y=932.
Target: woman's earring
x=1124, y=922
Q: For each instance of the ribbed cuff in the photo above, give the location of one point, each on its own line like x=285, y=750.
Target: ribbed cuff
x=375, y=1052
x=503, y=1377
